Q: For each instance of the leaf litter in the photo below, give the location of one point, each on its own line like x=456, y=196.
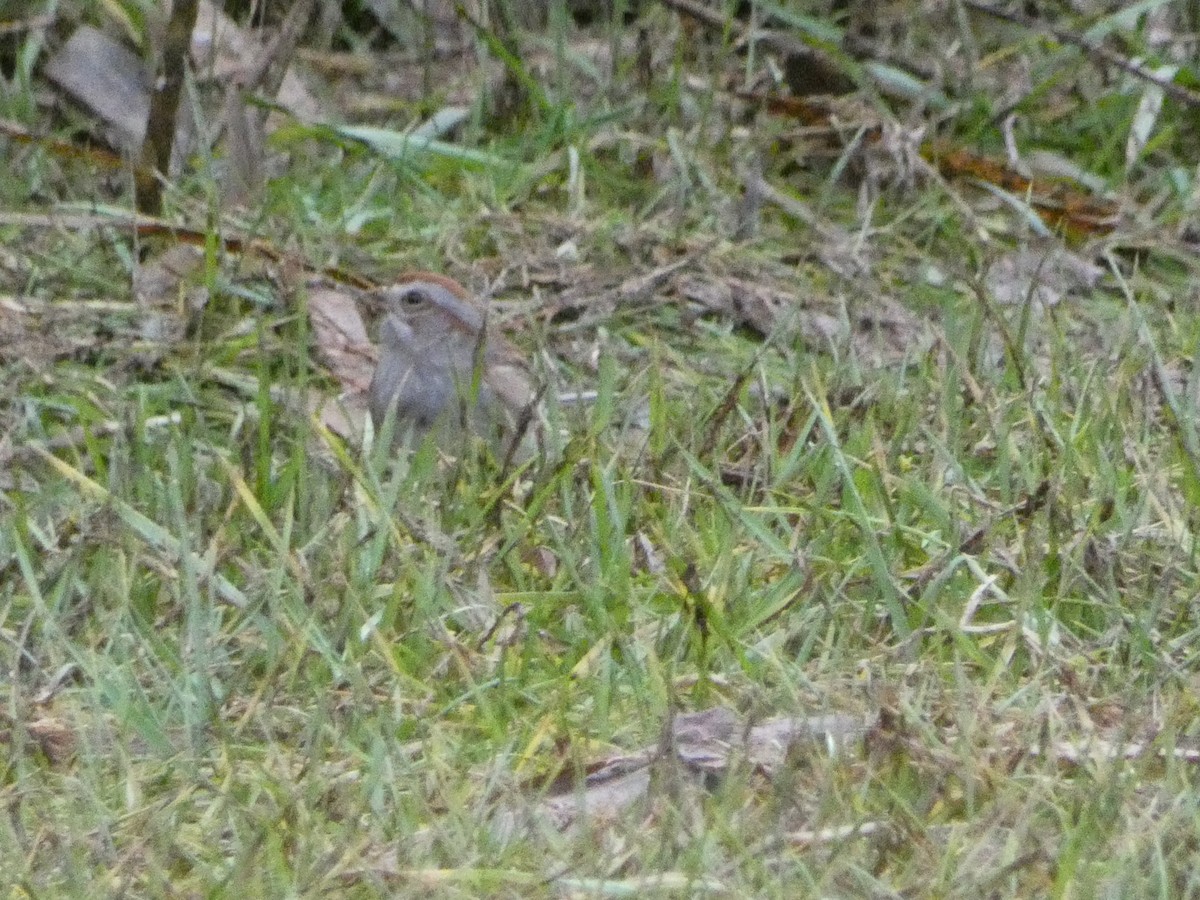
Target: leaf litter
x=826, y=295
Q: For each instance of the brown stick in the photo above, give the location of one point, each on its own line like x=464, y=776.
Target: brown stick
x=160, y=126
x=1092, y=49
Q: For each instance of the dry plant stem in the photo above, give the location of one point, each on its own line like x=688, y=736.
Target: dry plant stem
x=1094, y=50
x=1010, y=345
x=1180, y=419
x=790, y=46
x=972, y=543
x=152, y=226
x=795, y=208
x=66, y=150
x=242, y=126
x=519, y=87
x=280, y=51
x=31, y=24
x=160, y=127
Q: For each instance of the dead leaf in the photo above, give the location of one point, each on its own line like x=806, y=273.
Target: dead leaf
x=107, y=78
x=345, y=349
x=648, y=557
x=542, y=559
x=1040, y=275
x=344, y=415
x=762, y=307
x=222, y=49
x=341, y=338
x=704, y=744
x=157, y=284
x=54, y=738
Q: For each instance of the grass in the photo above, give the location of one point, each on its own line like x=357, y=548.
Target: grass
x=242, y=656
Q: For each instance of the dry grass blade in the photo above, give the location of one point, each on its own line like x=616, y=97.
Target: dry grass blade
x=151, y=532
x=1095, y=51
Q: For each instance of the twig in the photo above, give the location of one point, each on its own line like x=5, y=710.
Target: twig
x=1093, y=49
x=160, y=126
x=783, y=42
x=146, y=226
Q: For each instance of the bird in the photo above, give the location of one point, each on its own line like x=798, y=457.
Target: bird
x=442, y=369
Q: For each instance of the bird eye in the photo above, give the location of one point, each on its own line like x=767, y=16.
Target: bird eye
x=412, y=298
